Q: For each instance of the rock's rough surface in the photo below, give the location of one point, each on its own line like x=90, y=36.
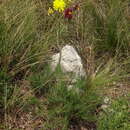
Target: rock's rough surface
x=69, y=61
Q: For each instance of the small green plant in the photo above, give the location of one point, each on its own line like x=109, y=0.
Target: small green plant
x=78, y=103
x=116, y=116
x=41, y=81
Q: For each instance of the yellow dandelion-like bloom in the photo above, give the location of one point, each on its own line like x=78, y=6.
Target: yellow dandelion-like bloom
x=59, y=5
x=50, y=11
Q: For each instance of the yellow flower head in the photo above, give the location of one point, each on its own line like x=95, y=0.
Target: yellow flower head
x=50, y=11
x=59, y=5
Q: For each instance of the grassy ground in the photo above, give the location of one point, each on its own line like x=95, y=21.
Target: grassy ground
x=32, y=97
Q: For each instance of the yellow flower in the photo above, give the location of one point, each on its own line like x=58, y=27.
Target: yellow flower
x=59, y=5
x=50, y=11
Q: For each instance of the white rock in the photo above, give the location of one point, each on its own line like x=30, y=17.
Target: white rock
x=106, y=100
x=69, y=61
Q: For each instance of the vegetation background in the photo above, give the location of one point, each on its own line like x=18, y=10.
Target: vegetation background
x=32, y=97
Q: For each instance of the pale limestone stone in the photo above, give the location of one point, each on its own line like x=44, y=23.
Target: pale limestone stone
x=69, y=61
